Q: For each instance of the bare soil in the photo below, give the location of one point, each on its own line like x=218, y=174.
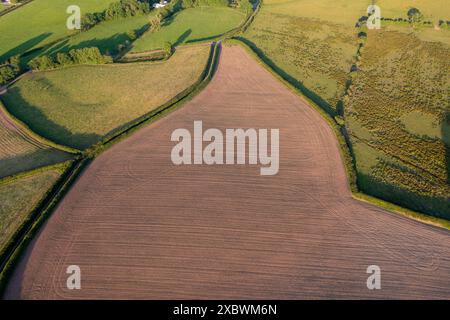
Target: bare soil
x=140, y=227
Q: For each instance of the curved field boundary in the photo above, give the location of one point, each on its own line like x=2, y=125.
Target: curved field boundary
x=345, y=148
x=44, y=210
x=156, y=55
x=151, y=55
x=25, y=132
x=141, y=227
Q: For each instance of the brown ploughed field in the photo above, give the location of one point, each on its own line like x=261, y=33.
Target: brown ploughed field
x=140, y=227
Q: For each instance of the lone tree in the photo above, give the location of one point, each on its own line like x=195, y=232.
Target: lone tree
x=414, y=15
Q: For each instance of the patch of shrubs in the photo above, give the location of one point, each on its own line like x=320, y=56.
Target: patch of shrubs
x=73, y=57
x=444, y=24
x=120, y=9
x=9, y=70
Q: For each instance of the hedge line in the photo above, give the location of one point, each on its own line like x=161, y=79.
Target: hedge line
x=115, y=10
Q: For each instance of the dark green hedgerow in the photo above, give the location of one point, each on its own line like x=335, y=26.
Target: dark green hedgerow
x=73, y=57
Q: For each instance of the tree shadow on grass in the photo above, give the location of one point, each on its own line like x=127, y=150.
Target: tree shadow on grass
x=24, y=47
x=38, y=158
x=171, y=18
x=438, y=207
x=105, y=45
x=38, y=122
x=182, y=38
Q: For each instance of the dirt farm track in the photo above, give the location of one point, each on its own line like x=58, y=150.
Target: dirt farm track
x=140, y=227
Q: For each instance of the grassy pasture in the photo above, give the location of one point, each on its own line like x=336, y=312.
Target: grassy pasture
x=192, y=24
x=401, y=98
x=432, y=10
x=428, y=33
x=19, y=198
x=316, y=54
x=334, y=11
x=77, y=106
x=397, y=113
x=39, y=23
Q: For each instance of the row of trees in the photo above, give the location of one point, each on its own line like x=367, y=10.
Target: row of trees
x=73, y=57
x=9, y=70
x=120, y=9
x=414, y=16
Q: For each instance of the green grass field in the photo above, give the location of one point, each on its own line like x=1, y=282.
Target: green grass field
x=77, y=106
x=19, y=198
x=39, y=23
x=192, y=24
x=398, y=117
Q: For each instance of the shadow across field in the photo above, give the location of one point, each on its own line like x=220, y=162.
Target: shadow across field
x=105, y=45
x=38, y=122
x=298, y=84
x=182, y=38
x=24, y=47
x=30, y=161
